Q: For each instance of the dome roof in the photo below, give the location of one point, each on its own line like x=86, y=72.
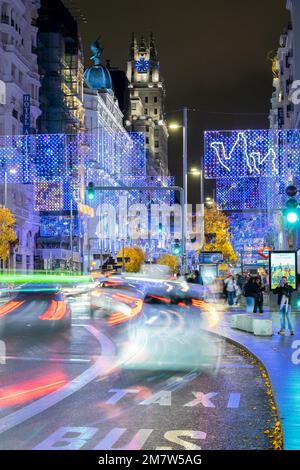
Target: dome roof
x=98, y=77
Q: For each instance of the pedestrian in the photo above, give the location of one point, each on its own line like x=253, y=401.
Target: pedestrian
x=239, y=289
x=284, y=292
x=197, y=278
x=258, y=289
x=249, y=294
x=230, y=288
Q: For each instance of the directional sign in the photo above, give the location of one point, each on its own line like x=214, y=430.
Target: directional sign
x=264, y=252
x=26, y=114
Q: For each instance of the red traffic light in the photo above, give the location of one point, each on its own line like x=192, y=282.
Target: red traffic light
x=291, y=190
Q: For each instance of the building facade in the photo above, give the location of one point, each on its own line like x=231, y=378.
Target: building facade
x=147, y=103
x=60, y=60
x=19, y=78
x=285, y=111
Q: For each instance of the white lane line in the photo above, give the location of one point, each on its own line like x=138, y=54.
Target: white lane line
x=45, y=359
x=102, y=366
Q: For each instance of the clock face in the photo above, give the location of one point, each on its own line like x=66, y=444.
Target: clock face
x=142, y=65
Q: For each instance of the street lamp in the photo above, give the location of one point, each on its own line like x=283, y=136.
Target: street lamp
x=184, y=127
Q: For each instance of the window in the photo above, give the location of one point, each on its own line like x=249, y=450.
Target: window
x=13, y=70
x=133, y=106
x=155, y=111
x=147, y=140
x=156, y=144
x=146, y=99
x=146, y=111
x=147, y=128
x=15, y=113
x=155, y=99
x=156, y=132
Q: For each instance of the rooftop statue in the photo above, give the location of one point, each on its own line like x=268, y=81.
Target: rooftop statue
x=97, y=51
x=97, y=77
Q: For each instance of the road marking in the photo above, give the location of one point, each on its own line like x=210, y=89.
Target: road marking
x=234, y=400
x=102, y=366
x=203, y=398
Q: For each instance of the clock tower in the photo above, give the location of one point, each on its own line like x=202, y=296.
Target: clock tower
x=147, y=101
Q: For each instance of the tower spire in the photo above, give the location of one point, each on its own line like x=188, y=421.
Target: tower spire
x=153, y=51
x=133, y=45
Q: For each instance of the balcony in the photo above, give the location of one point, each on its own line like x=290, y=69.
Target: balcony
x=4, y=19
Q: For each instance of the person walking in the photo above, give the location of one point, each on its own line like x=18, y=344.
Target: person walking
x=284, y=292
x=230, y=288
x=239, y=289
x=258, y=289
x=249, y=294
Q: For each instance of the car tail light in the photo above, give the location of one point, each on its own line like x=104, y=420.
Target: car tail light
x=56, y=311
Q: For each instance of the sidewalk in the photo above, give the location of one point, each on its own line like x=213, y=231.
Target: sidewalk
x=276, y=354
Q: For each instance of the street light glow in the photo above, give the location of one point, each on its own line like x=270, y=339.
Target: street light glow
x=195, y=172
x=174, y=126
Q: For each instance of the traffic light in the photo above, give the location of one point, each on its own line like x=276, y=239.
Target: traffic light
x=291, y=206
x=176, y=248
x=91, y=191
x=160, y=229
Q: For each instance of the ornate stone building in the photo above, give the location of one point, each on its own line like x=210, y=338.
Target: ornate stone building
x=147, y=102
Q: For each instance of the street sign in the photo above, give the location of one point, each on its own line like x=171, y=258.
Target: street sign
x=210, y=257
x=264, y=252
x=26, y=114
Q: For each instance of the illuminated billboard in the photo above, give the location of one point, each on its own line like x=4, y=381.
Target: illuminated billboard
x=283, y=263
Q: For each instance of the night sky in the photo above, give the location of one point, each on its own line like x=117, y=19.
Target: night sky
x=213, y=56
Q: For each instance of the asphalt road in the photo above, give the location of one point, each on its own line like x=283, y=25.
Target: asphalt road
x=97, y=387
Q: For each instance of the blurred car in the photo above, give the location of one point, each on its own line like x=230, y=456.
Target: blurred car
x=116, y=301
x=35, y=306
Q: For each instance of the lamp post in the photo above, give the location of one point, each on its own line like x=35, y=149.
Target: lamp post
x=184, y=127
x=196, y=172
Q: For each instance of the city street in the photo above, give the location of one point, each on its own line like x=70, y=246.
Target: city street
x=73, y=389
x=149, y=232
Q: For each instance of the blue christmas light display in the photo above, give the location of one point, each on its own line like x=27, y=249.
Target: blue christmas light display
x=250, y=193
x=251, y=153
x=60, y=166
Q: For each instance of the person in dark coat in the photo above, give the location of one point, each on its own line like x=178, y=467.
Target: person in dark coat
x=258, y=289
x=197, y=278
x=249, y=294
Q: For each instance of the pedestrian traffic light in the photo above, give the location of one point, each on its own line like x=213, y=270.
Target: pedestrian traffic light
x=91, y=191
x=176, y=248
x=291, y=206
x=160, y=228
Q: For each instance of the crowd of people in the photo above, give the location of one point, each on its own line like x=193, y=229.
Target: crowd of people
x=253, y=288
